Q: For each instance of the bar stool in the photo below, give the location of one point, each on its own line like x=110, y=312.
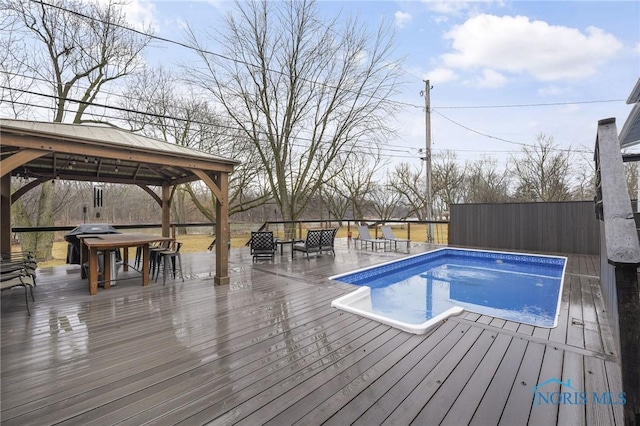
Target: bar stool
x=172, y=254
x=154, y=256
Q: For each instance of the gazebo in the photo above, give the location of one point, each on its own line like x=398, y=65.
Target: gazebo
x=43, y=151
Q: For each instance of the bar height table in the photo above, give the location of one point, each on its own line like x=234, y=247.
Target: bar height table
x=91, y=243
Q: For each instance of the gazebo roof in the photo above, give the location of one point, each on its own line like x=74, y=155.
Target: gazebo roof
x=102, y=154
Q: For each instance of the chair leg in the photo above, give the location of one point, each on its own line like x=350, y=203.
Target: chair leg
x=26, y=298
x=138, y=260
x=180, y=265
x=164, y=270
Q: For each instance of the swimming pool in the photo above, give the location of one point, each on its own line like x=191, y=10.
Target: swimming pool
x=417, y=292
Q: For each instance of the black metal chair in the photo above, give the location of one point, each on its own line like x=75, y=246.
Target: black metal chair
x=173, y=254
x=312, y=244
x=327, y=240
x=262, y=244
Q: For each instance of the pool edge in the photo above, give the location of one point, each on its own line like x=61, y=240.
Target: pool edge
x=343, y=303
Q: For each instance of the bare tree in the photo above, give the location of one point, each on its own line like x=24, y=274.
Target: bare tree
x=410, y=183
x=76, y=49
x=179, y=116
x=384, y=201
x=304, y=91
x=485, y=182
x=542, y=172
x=448, y=180
x=584, y=175
x=354, y=178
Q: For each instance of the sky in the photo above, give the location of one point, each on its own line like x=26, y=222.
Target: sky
x=502, y=72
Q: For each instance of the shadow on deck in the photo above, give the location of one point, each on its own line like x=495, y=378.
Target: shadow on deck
x=269, y=349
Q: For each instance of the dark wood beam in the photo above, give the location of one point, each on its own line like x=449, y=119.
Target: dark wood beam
x=7, y=165
x=26, y=188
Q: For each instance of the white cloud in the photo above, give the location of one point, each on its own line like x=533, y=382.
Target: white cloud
x=456, y=7
x=401, y=19
x=441, y=75
x=518, y=45
x=140, y=13
x=553, y=90
x=491, y=79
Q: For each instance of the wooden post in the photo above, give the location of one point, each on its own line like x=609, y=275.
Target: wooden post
x=623, y=251
x=222, y=230
x=166, y=210
x=5, y=213
x=629, y=319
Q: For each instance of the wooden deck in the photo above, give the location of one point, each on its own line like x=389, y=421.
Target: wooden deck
x=269, y=349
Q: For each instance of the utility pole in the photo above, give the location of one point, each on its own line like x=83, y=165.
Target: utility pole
x=427, y=109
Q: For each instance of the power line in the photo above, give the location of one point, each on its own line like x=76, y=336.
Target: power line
x=121, y=95
x=499, y=138
x=181, y=119
x=531, y=105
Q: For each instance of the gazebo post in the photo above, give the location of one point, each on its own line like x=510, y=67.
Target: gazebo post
x=5, y=213
x=218, y=183
x=222, y=229
x=166, y=210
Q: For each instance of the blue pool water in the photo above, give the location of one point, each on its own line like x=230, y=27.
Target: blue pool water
x=413, y=290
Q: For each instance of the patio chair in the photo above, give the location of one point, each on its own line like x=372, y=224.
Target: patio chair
x=173, y=254
x=11, y=277
x=327, y=240
x=18, y=261
x=387, y=234
x=365, y=237
x=312, y=244
x=262, y=244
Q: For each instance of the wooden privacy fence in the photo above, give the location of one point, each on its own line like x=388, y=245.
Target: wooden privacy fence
x=553, y=227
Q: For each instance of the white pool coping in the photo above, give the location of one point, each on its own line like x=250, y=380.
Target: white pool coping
x=362, y=296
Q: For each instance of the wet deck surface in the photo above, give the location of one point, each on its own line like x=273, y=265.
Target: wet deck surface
x=269, y=349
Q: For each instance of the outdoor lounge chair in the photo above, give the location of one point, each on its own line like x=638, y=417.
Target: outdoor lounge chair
x=10, y=277
x=327, y=240
x=262, y=244
x=365, y=237
x=387, y=234
x=18, y=261
x=311, y=245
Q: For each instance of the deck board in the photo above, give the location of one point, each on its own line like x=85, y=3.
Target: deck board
x=268, y=348
x=369, y=396
x=470, y=396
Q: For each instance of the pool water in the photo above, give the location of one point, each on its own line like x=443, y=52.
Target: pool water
x=415, y=292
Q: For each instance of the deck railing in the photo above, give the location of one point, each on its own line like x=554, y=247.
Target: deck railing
x=619, y=260
x=432, y=231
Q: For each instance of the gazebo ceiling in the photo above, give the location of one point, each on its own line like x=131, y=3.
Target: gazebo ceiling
x=101, y=154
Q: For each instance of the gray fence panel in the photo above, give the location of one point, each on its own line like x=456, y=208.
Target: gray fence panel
x=556, y=227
